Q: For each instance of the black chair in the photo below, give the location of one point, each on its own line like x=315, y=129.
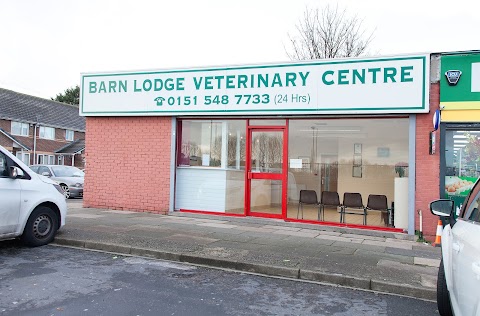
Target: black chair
x=353, y=204
x=329, y=198
x=307, y=197
x=377, y=202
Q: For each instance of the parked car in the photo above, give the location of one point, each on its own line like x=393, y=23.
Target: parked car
x=32, y=207
x=458, y=285
x=69, y=178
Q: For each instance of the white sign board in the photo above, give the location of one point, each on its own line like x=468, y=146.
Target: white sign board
x=296, y=163
x=475, y=77
x=333, y=86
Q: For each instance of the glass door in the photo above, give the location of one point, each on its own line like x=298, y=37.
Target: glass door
x=266, y=183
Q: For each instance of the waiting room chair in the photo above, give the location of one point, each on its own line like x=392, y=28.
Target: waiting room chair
x=329, y=198
x=353, y=204
x=307, y=197
x=379, y=203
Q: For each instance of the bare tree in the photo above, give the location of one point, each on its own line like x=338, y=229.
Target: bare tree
x=328, y=33
x=267, y=150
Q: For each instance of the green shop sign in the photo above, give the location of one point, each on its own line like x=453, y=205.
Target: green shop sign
x=460, y=82
x=368, y=85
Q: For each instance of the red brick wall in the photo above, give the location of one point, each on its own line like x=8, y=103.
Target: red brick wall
x=427, y=181
x=128, y=163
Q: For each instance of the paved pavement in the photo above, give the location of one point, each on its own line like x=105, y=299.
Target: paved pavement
x=379, y=261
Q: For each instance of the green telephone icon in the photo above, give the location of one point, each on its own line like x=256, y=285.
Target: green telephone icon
x=159, y=101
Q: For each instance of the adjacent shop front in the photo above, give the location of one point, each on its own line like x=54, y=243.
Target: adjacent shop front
x=278, y=141
x=460, y=124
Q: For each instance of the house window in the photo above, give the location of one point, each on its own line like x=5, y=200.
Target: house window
x=69, y=135
x=20, y=129
x=47, y=132
x=46, y=159
x=24, y=157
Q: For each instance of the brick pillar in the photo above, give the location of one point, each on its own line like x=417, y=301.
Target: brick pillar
x=427, y=180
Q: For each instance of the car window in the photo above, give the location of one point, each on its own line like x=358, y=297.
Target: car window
x=34, y=168
x=471, y=211
x=3, y=166
x=67, y=171
x=43, y=169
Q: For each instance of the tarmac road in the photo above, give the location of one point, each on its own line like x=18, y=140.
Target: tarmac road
x=53, y=280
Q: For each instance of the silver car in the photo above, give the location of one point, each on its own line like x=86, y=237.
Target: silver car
x=69, y=178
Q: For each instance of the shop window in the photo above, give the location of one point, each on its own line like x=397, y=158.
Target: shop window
x=20, y=129
x=236, y=140
x=213, y=144
x=201, y=143
x=363, y=156
x=47, y=132
x=211, y=161
x=462, y=163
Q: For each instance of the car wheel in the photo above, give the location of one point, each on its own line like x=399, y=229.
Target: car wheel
x=66, y=190
x=443, y=297
x=41, y=227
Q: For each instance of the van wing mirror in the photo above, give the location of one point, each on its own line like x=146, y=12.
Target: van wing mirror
x=442, y=207
x=16, y=172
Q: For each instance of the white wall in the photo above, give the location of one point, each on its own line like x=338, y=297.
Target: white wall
x=200, y=189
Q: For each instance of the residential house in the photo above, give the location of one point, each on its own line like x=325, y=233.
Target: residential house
x=41, y=131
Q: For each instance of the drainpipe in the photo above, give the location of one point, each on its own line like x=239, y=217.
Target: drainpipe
x=34, y=143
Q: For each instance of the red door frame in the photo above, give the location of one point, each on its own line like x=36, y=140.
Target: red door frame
x=267, y=176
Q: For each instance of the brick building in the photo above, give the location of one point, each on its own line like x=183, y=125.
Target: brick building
x=248, y=140
x=41, y=131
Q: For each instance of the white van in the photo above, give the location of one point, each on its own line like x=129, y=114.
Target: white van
x=32, y=206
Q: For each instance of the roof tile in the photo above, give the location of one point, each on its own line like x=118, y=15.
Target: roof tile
x=20, y=107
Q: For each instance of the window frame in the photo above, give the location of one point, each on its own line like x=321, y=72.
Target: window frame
x=444, y=128
x=44, y=129
x=22, y=156
x=67, y=132
x=224, y=124
x=46, y=159
x=22, y=127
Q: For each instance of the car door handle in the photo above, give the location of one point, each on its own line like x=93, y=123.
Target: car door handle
x=476, y=269
x=456, y=247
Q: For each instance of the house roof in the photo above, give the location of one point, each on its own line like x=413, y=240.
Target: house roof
x=72, y=148
x=4, y=132
x=25, y=108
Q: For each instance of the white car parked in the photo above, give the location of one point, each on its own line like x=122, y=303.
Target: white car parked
x=458, y=285
x=32, y=206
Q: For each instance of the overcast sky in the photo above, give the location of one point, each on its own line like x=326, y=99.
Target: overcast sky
x=46, y=44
